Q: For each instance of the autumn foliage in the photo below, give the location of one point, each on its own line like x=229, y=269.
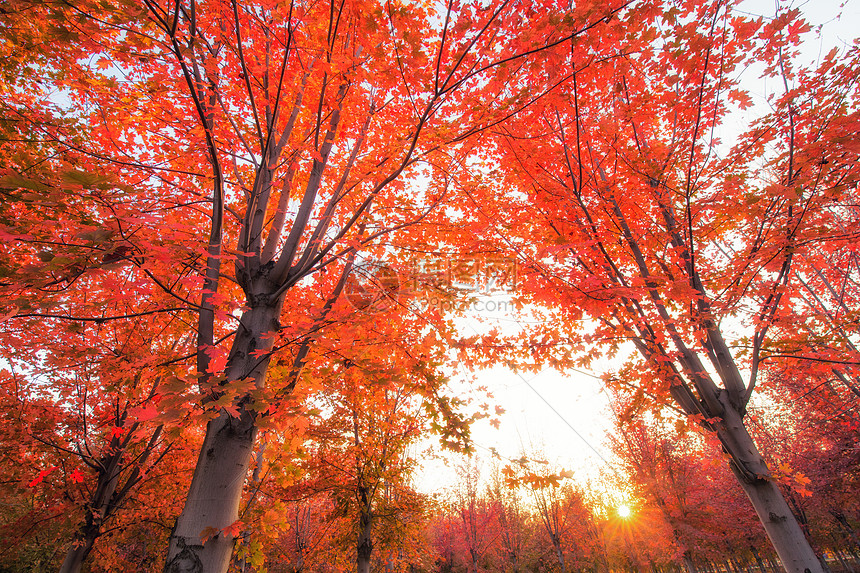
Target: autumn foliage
x=236, y=239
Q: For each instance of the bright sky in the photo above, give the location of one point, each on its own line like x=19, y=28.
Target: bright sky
x=564, y=416
x=567, y=415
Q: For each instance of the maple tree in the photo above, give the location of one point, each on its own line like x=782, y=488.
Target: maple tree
x=358, y=455
x=82, y=473
x=88, y=345
x=62, y=263
x=559, y=507
x=811, y=435
x=305, y=541
x=477, y=528
x=370, y=387
x=651, y=466
x=689, y=498
x=474, y=515
x=190, y=190
x=512, y=516
x=637, y=230
x=257, y=144
x=97, y=429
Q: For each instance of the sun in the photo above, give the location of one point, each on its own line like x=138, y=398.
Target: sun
x=624, y=511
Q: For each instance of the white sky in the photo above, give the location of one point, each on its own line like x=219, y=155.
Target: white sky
x=559, y=417
x=567, y=415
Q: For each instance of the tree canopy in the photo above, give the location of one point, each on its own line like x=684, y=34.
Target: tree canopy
x=237, y=238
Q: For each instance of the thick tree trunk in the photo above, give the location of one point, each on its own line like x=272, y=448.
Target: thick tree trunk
x=213, y=499
x=785, y=534
x=212, y=505
x=755, y=478
x=364, y=543
x=78, y=552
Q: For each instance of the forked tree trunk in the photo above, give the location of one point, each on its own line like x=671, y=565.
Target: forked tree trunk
x=90, y=530
x=474, y=555
x=840, y=518
x=103, y=502
x=212, y=505
x=755, y=478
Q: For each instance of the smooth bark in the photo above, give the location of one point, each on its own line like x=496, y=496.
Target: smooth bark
x=202, y=540
x=754, y=476
x=78, y=552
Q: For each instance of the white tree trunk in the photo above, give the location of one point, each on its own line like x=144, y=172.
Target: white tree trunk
x=213, y=499
x=782, y=528
x=216, y=488
x=755, y=478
